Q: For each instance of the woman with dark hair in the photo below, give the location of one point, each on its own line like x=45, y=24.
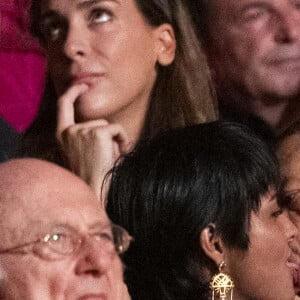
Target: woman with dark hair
x=118, y=71
x=203, y=201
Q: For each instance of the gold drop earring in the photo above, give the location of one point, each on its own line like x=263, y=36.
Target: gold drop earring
x=221, y=284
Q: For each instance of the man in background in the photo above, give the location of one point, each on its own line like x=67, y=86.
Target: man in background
x=253, y=48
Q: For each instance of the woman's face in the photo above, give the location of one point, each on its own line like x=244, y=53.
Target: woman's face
x=265, y=271
x=107, y=45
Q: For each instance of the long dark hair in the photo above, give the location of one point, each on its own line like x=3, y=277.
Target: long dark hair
x=169, y=189
x=182, y=95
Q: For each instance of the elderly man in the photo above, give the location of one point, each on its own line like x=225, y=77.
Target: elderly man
x=253, y=49
x=56, y=240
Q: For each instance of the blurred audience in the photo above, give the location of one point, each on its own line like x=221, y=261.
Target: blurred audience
x=56, y=240
x=22, y=67
x=253, y=48
x=9, y=140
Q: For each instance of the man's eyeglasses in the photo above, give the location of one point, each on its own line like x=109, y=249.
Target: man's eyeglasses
x=65, y=240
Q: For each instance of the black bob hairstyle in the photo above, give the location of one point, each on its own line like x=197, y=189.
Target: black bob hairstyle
x=169, y=189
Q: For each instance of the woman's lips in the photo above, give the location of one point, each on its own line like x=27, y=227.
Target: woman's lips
x=86, y=78
x=294, y=266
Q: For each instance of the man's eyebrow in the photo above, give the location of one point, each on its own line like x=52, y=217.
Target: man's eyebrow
x=57, y=226
x=254, y=3
x=94, y=226
x=100, y=224
x=89, y=3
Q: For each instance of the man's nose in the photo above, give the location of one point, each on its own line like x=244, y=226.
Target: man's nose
x=290, y=230
x=288, y=26
x=94, y=259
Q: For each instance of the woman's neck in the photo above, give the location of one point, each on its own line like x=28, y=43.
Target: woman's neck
x=133, y=121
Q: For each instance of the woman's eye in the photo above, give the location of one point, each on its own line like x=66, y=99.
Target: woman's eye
x=277, y=213
x=100, y=16
x=51, y=31
x=54, y=33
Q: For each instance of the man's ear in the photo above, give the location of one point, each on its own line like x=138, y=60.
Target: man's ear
x=212, y=244
x=166, y=46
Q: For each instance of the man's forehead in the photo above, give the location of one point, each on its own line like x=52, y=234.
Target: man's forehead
x=245, y=4
x=289, y=149
x=51, y=210
x=36, y=202
x=35, y=193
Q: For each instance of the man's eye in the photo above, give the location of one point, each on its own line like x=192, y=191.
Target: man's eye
x=297, y=4
x=100, y=16
x=294, y=207
x=104, y=236
x=292, y=201
x=253, y=14
x=58, y=238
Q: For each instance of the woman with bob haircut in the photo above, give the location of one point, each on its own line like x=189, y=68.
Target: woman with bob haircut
x=118, y=71
x=208, y=222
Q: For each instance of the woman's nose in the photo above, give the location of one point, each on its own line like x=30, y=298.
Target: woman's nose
x=76, y=45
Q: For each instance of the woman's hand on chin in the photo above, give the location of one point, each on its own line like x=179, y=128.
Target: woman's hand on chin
x=91, y=147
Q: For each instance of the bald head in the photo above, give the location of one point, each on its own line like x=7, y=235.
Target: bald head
x=34, y=191
x=30, y=178
x=40, y=199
